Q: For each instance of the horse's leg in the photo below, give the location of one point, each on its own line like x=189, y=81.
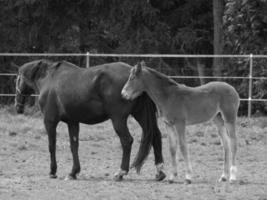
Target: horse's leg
x=50, y=127
x=172, y=137
x=230, y=126
x=156, y=143
x=74, y=145
x=180, y=127
x=225, y=141
x=120, y=126
x=157, y=147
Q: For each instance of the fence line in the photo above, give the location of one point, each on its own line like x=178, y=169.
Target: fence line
x=88, y=55
x=132, y=55
x=186, y=77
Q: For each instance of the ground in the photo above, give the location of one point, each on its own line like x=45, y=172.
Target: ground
x=24, y=163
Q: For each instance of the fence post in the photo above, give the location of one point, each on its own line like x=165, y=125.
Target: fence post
x=250, y=84
x=87, y=59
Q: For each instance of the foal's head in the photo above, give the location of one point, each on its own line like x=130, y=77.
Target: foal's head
x=134, y=85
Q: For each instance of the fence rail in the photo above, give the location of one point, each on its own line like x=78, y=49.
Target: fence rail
x=88, y=55
x=133, y=55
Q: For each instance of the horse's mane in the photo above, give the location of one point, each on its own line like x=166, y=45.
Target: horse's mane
x=165, y=79
x=68, y=64
x=38, y=68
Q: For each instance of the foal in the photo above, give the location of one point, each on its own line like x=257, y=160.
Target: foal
x=180, y=105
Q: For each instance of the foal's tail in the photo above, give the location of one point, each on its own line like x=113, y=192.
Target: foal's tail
x=145, y=113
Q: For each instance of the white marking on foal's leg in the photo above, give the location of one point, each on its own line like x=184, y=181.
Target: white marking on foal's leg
x=226, y=146
x=173, y=148
x=233, y=144
x=233, y=172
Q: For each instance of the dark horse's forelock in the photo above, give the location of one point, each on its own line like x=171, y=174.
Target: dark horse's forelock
x=35, y=69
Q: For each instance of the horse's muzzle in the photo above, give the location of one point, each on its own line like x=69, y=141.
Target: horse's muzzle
x=19, y=109
x=125, y=95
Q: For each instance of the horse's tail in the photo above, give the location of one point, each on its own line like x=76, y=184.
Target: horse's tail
x=145, y=113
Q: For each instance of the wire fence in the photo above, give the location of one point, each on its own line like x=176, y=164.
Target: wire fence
x=89, y=55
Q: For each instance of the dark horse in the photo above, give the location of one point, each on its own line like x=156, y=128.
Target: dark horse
x=77, y=95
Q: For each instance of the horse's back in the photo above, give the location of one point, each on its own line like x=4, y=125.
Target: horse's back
x=228, y=99
x=202, y=103
x=226, y=92
x=116, y=70
x=89, y=95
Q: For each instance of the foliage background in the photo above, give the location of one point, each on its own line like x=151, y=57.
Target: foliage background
x=140, y=26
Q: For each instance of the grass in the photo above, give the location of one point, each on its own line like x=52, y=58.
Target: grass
x=24, y=162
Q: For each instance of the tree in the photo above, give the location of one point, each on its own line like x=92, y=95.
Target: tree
x=245, y=31
x=218, y=8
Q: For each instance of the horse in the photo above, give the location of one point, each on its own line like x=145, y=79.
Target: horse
x=76, y=95
x=180, y=106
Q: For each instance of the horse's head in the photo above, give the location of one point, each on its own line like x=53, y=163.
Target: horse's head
x=23, y=90
x=25, y=83
x=134, y=85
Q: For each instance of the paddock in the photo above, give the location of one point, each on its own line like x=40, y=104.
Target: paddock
x=24, y=162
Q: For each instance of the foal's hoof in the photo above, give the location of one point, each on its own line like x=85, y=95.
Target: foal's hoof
x=160, y=176
x=223, y=179
x=52, y=176
x=118, y=177
x=232, y=181
x=170, y=181
x=188, y=181
x=70, y=177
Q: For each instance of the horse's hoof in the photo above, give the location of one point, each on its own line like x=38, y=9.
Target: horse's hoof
x=232, y=181
x=160, y=176
x=53, y=176
x=70, y=177
x=118, y=178
x=188, y=181
x=223, y=179
x=170, y=181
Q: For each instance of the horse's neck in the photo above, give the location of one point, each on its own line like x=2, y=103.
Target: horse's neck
x=157, y=90
x=40, y=82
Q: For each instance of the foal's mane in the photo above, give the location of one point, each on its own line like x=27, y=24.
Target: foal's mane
x=162, y=77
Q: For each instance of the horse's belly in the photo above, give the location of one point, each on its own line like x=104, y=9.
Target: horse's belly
x=88, y=113
x=199, y=118
x=201, y=113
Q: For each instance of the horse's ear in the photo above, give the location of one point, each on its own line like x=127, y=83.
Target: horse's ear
x=36, y=70
x=14, y=65
x=143, y=64
x=138, y=68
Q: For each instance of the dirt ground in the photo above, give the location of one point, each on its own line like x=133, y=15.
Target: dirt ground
x=24, y=163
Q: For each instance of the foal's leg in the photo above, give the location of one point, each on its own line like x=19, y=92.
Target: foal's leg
x=50, y=127
x=172, y=136
x=225, y=141
x=183, y=147
x=120, y=126
x=74, y=145
x=233, y=143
